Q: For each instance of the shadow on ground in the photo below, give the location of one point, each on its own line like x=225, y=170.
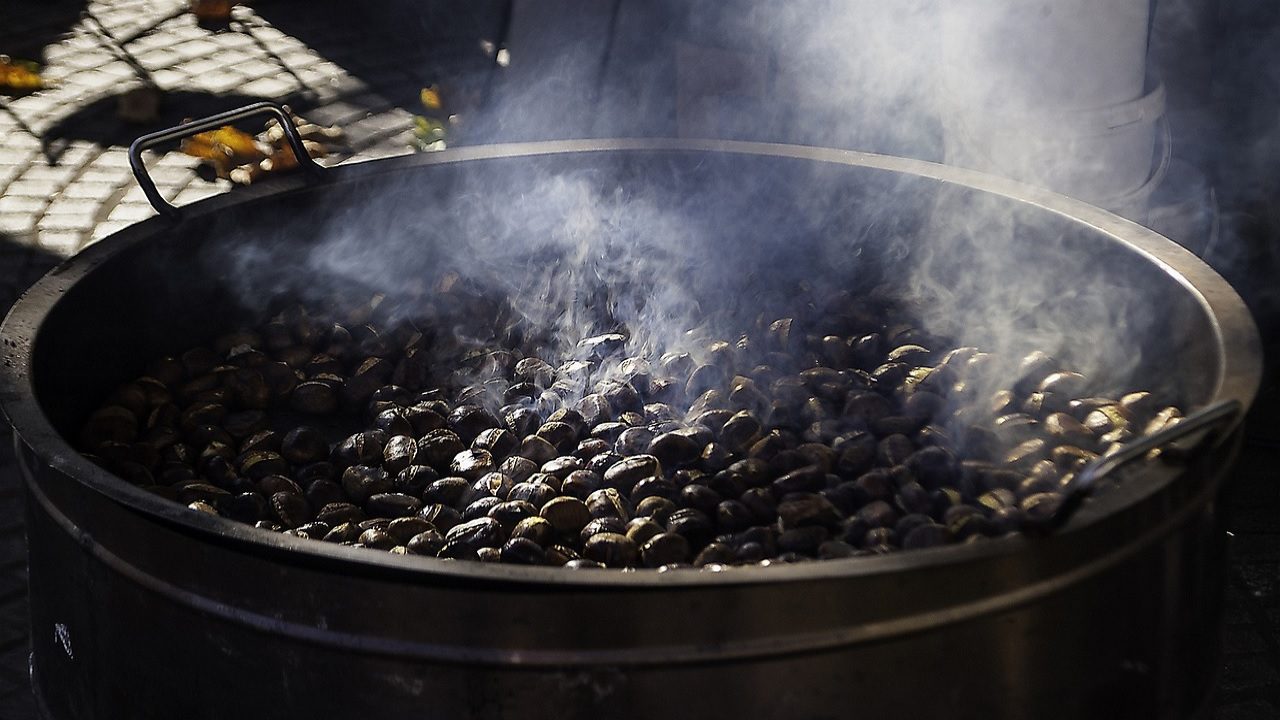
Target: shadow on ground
x=20, y=266
x=32, y=25
x=403, y=45
x=432, y=31
x=99, y=123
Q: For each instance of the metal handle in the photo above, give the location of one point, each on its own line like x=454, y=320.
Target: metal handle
x=1211, y=416
x=212, y=122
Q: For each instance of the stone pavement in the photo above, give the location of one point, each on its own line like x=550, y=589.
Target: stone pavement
x=64, y=176
x=65, y=182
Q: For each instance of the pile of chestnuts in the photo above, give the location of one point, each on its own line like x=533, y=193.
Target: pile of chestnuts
x=376, y=423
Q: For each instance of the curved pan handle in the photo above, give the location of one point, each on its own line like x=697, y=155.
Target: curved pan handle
x=210, y=123
x=1219, y=416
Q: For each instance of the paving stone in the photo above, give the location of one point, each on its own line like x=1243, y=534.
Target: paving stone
x=11, y=154
x=20, y=139
x=219, y=81
x=270, y=87
x=118, y=70
x=184, y=28
x=96, y=191
x=174, y=160
x=198, y=48
x=134, y=195
x=78, y=152
x=21, y=204
x=131, y=210
x=9, y=173
x=58, y=223
x=150, y=41
x=196, y=192
x=269, y=34
x=169, y=192
x=57, y=51
x=19, y=229
x=108, y=227
x=56, y=73
x=63, y=205
x=82, y=41
x=60, y=174
x=403, y=141
x=336, y=113
x=340, y=85
x=88, y=60
x=95, y=80
x=68, y=93
x=33, y=187
x=60, y=243
x=324, y=76
x=393, y=119
x=257, y=67
x=36, y=104
x=112, y=155
x=166, y=177
x=234, y=41
x=201, y=65
x=106, y=174
x=170, y=79
x=116, y=18
x=157, y=58
x=300, y=58
x=14, y=224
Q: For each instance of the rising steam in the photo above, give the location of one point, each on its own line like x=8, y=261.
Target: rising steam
x=585, y=252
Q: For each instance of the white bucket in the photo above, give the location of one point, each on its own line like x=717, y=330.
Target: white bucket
x=1097, y=155
x=1050, y=92
x=1055, y=55
x=1135, y=204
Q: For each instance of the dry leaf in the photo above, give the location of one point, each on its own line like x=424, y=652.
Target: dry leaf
x=19, y=75
x=225, y=148
x=430, y=97
x=245, y=159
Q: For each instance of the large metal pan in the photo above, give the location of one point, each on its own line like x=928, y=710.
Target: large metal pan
x=141, y=608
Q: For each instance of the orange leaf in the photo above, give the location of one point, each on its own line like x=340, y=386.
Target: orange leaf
x=19, y=75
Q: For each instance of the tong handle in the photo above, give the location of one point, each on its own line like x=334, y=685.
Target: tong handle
x=1220, y=415
x=213, y=122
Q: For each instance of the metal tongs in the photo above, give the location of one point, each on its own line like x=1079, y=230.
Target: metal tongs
x=1202, y=429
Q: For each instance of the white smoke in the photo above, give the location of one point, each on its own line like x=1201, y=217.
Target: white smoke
x=570, y=245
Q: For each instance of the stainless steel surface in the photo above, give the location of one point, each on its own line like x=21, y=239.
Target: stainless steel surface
x=1116, y=611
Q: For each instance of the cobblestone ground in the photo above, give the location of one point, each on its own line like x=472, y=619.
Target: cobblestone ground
x=63, y=168
x=65, y=182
